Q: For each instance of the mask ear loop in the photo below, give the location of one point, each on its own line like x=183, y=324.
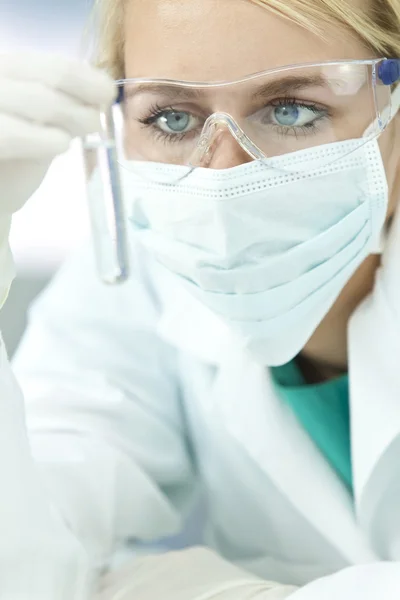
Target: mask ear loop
x=393, y=109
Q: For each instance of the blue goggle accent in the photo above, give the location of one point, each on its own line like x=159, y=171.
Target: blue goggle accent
x=389, y=71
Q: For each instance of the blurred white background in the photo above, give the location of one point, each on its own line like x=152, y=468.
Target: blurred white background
x=55, y=220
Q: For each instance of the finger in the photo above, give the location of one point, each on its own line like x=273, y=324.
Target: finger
x=20, y=139
x=36, y=103
x=78, y=79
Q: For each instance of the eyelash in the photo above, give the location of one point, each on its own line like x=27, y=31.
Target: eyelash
x=155, y=111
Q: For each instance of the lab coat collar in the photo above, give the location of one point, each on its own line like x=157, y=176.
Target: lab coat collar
x=374, y=350
x=247, y=405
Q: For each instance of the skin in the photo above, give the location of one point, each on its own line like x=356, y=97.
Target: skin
x=227, y=39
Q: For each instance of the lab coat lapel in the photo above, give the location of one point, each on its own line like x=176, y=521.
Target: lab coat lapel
x=374, y=350
x=268, y=431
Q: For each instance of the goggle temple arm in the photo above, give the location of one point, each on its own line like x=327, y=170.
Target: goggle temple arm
x=389, y=75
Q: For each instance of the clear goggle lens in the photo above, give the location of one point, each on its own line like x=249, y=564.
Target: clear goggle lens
x=263, y=116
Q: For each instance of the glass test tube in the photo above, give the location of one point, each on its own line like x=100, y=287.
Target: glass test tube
x=106, y=206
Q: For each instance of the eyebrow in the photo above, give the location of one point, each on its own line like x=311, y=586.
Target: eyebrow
x=271, y=88
x=169, y=90
x=289, y=84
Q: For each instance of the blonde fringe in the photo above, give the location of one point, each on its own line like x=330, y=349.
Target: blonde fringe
x=104, y=36
x=378, y=27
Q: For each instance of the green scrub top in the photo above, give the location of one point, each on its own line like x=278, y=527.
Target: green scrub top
x=323, y=410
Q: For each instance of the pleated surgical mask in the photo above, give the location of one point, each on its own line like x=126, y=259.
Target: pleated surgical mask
x=268, y=250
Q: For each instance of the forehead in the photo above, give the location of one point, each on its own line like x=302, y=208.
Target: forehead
x=221, y=39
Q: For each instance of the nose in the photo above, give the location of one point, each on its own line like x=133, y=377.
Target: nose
x=225, y=152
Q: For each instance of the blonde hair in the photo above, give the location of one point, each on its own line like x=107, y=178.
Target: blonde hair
x=378, y=26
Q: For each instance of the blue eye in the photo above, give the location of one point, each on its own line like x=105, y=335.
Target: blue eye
x=286, y=115
x=294, y=115
x=174, y=122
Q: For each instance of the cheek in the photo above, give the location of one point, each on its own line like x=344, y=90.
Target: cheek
x=389, y=144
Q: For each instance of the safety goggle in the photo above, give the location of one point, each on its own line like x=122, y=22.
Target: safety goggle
x=268, y=114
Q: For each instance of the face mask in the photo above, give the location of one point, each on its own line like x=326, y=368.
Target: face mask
x=266, y=249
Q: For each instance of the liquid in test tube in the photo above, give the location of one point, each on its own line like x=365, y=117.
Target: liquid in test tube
x=105, y=201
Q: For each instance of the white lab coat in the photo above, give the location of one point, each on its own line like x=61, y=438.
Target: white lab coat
x=39, y=558
x=139, y=399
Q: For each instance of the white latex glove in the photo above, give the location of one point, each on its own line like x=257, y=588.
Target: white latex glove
x=45, y=102
x=193, y=574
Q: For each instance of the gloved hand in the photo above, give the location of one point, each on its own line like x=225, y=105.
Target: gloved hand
x=45, y=102
x=193, y=574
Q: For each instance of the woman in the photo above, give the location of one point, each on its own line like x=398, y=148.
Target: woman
x=141, y=397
